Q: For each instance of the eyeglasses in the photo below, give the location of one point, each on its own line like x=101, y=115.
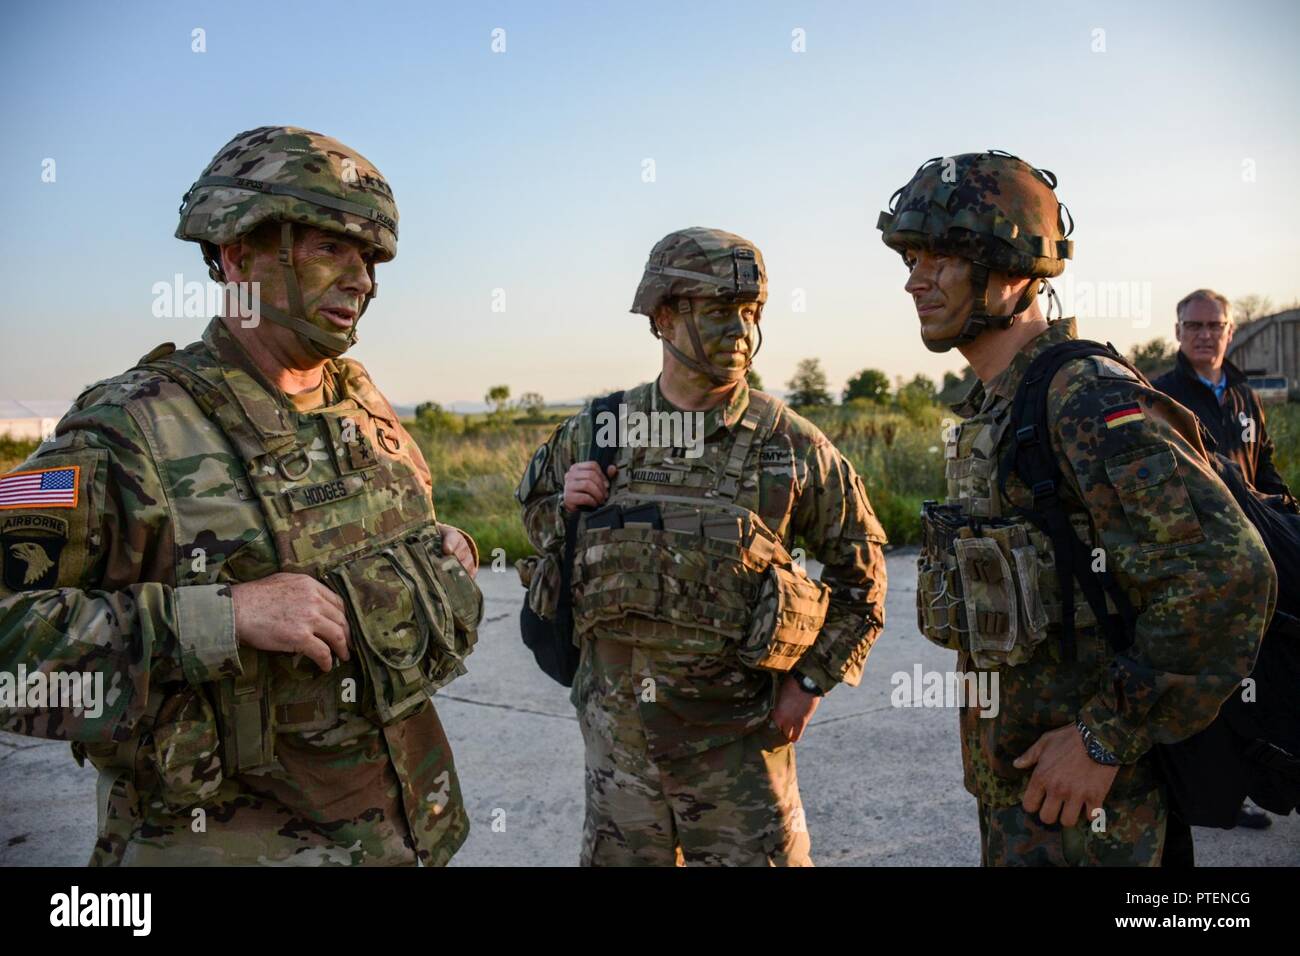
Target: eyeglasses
x=1196, y=328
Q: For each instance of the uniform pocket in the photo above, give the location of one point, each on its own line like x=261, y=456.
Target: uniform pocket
x=989, y=591
x=450, y=585
x=791, y=610
x=938, y=605
x=393, y=620
x=1154, y=498
x=543, y=584
x=186, y=751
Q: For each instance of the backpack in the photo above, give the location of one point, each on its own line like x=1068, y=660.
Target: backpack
x=552, y=641
x=1251, y=748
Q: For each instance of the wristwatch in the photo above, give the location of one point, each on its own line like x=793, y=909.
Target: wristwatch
x=808, y=684
x=1095, y=750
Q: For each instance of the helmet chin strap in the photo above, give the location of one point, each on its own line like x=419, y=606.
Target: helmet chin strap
x=326, y=345
x=979, y=321
x=700, y=363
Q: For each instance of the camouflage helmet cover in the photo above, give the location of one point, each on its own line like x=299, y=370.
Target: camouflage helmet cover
x=992, y=208
x=701, y=263
x=288, y=174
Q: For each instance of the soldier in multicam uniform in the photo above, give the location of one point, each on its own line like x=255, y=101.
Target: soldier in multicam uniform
x=980, y=233
x=249, y=557
x=704, y=645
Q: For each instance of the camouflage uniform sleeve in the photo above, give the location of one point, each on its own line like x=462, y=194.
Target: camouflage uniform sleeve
x=541, y=489
x=835, y=518
x=90, y=604
x=1173, y=536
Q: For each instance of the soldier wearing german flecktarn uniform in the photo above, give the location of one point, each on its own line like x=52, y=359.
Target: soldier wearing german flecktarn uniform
x=1063, y=772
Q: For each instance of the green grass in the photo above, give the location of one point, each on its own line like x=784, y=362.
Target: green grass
x=13, y=452
x=474, y=480
x=899, y=456
x=1283, y=424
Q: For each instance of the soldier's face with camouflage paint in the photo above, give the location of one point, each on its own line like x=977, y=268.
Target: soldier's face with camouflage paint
x=331, y=272
x=941, y=291
x=333, y=278
x=728, y=330
x=940, y=288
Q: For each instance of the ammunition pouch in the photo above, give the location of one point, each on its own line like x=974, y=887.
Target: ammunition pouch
x=712, y=569
x=414, y=615
x=988, y=586
x=791, y=611
x=186, y=753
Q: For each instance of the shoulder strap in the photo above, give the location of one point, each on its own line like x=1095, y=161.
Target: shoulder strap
x=603, y=455
x=1030, y=455
x=249, y=440
x=757, y=423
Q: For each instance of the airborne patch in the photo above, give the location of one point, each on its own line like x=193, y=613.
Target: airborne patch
x=32, y=546
x=1122, y=414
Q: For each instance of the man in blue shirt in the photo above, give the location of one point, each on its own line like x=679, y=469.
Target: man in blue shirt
x=1216, y=390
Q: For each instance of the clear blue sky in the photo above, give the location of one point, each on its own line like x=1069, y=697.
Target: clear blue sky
x=523, y=170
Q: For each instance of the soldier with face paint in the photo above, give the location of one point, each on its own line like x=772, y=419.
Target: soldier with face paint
x=238, y=543
x=1063, y=772
x=705, y=648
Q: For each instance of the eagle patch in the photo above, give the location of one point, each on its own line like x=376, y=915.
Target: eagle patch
x=32, y=545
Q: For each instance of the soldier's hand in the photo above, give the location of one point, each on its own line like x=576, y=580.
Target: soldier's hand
x=454, y=542
x=291, y=614
x=794, y=708
x=1066, y=782
x=585, y=486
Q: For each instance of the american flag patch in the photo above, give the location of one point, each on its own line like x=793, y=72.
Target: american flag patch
x=1122, y=415
x=47, y=488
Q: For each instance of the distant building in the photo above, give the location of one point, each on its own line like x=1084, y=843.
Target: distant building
x=30, y=421
x=1270, y=346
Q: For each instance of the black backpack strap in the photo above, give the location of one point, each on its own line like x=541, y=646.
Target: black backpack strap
x=603, y=456
x=1030, y=455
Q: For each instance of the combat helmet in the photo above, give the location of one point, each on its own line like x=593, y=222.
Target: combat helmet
x=991, y=208
x=702, y=263
x=294, y=177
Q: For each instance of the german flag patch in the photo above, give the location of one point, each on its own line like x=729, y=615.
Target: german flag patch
x=1123, y=414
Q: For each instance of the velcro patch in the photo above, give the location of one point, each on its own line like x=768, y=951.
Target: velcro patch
x=32, y=545
x=324, y=492
x=1109, y=368
x=44, y=488
x=533, y=473
x=654, y=476
x=1122, y=414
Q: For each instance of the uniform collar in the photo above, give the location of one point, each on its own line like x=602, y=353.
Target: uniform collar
x=724, y=416
x=1005, y=383
x=230, y=352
